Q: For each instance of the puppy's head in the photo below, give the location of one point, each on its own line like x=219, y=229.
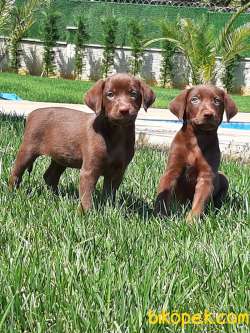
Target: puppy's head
x=203, y=106
x=119, y=97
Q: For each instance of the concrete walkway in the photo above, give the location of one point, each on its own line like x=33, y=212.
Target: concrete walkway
x=151, y=126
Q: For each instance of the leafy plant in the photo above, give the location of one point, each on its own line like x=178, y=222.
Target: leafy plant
x=51, y=35
x=109, y=24
x=81, y=38
x=136, y=41
x=22, y=18
x=5, y=10
x=195, y=39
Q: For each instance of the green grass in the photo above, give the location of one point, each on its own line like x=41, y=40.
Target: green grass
x=66, y=91
x=63, y=272
x=39, y=89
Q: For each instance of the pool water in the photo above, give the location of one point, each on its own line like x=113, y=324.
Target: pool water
x=236, y=125
x=231, y=125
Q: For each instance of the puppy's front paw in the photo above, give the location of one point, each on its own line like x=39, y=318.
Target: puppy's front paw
x=12, y=183
x=191, y=218
x=83, y=210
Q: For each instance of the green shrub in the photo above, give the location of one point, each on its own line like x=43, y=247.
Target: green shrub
x=81, y=38
x=110, y=25
x=136, y=37
x=50, y=36
x=168, y=50
x=228, y=75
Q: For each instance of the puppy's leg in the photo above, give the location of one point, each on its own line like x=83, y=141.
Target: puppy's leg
x=221, y=189
x=166, y=187
x=203, y=192
x=112, y=183
x=24, y=160
x=53, y=174
x=88, y=180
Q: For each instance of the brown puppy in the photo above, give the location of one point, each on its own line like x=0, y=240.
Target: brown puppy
x=194, y=159
x=99, y=145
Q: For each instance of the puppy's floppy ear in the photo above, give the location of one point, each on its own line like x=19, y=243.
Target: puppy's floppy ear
x=230, y=107
x=148, y=96
x=178, y=105
x=93, y=97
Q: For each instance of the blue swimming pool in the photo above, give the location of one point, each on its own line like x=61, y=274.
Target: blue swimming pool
x=236, y=125
x=231, y=125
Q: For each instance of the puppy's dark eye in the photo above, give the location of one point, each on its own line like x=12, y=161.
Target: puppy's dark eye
x=217, y=101
x=110, y=94
x=195, y=100
x=133, y=93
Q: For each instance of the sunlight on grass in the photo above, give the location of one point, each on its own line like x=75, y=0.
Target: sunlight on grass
x=66, y=91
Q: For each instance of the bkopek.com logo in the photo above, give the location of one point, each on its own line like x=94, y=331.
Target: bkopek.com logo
x=202, y=318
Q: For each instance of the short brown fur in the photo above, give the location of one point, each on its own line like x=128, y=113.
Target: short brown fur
x=194, y=159
x=99, y=145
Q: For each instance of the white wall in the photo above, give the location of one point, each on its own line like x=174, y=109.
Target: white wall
x=33, y=50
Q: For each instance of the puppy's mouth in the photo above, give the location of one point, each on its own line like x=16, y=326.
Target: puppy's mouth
x=206, y=125
x=123, y=118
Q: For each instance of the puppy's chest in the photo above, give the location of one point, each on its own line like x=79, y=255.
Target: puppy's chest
x=119, y=156
x=190, y=172
x=199, y=161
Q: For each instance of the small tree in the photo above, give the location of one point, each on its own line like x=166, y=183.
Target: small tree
x=136, y=42
x=168, y=50
x=50, y=35
x=110, y=24
x=81, y=38
x=22, y=18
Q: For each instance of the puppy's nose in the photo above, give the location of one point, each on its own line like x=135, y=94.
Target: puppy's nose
x=208, y=114
x=124, y=110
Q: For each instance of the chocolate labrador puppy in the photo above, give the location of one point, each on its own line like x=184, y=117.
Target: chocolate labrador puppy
x=98, y=145
x=194, y=159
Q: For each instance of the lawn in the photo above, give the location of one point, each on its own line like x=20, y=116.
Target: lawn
x=101, y=272
x=66, y=91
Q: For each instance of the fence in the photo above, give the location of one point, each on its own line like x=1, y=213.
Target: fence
x=149, y=14
x=214, y=5
x=32, y=51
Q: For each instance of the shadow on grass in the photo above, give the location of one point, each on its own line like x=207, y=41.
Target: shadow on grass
x=131, y=204
x=134, y=205
x=128, y=202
